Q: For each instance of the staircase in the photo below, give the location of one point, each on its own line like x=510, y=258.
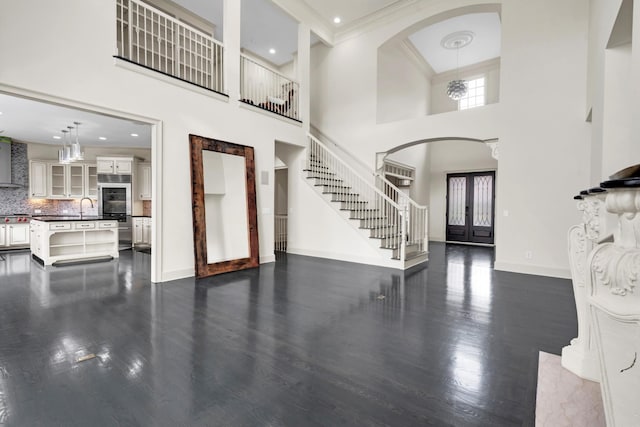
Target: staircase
x=391, y=220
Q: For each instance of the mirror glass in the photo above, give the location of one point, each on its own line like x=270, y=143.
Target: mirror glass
x=225, y=206
x=225, y=220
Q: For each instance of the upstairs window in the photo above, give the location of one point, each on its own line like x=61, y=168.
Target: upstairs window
x=475, y=96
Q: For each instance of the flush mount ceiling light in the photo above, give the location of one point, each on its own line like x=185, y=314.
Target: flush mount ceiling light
x=272, y=51
x=457, y=88
x=337, y=20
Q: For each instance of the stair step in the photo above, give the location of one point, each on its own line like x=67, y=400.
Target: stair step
x=371, y=222
x=313, y=174
x=327, y=181
x=315, y=167
x=409, y=257
x=334, y=189
x=341, y=193
x=364, y=215
x=379, y=227
x=387, y=237
x=360, y=209
x=351, y=205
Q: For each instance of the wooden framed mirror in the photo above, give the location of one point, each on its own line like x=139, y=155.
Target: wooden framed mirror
x=225, y=218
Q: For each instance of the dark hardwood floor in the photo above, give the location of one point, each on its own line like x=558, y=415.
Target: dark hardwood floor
x=300, y=342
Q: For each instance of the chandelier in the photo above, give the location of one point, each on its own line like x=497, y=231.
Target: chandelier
x=457, y=88
x=71, y=150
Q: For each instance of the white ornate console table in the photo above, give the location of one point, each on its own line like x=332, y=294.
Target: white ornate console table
x=581, y=357
x=614, y=299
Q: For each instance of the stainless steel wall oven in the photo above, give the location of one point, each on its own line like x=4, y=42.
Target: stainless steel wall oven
x=114, y=202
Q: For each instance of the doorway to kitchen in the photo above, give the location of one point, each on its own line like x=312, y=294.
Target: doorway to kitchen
x=106, y=137
x=471, y=207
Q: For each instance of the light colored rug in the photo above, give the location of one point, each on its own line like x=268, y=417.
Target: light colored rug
x=564, y=399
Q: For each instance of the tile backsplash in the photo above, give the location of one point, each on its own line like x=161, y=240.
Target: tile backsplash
x=17, y=201
x=146, y=207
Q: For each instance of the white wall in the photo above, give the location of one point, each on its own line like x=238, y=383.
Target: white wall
x=544, y=140
x=449, y=157
x=50, y=152
x=403, y=87
x=281, y=191
x=316, y=227
x=617, y=115
x=417, y=156
x=92, y=79
x=539, y=121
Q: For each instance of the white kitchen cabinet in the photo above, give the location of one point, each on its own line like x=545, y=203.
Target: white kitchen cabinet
x=143, y=178
x=74, y=240
x=115, y=165
x=65, y=181
x=146, y=231
x=17, y=235
x=91, y=181
x=38, y=179
x=141, y=231
x=138, y=225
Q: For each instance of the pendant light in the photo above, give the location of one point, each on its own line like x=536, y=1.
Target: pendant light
x=64, y=154
x=457, y=88
x=76, y=151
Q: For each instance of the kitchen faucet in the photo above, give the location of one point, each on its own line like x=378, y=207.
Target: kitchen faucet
x=82, y=200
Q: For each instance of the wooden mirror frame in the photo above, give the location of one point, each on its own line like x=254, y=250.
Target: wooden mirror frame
x=198, y=145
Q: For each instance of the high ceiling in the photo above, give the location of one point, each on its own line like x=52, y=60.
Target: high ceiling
x=27, y=120
x=349, y=11
x=264, y=26
x=485, y=45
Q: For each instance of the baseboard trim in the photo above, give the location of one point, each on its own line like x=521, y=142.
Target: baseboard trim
x=347, y=257
x=167, y=276
x=537, y=270
x=264, y=259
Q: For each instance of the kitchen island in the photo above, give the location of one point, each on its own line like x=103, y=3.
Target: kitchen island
x=60, y=239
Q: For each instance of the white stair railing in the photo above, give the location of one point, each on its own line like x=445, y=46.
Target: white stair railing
x=417, y=216
x=396, y=225
x=268, y=89
x=149, y=37
x=281, y=233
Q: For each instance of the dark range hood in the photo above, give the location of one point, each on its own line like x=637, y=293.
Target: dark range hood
x=5, y=164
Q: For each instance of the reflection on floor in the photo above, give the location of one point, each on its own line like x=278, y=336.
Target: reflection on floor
x=303, y=341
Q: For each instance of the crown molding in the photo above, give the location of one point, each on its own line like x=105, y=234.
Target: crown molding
x=301, y=12
x=374, y=20
x=467, y=71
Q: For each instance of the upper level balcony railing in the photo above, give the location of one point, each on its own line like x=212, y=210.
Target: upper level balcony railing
x=156, y=40
x=268, y=89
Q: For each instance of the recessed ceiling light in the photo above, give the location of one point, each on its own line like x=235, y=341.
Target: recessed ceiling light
x=102, y=138
x=272, y=51
x=0, y=113
x=57, y=137
x=337, y=20
x=134, y=134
